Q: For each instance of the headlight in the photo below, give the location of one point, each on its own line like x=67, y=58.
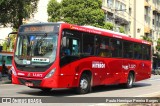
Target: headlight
x=50, y=73
x=13, y=71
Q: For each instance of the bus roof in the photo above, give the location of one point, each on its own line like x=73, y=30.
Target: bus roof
x=95, y=30
x=6, y=53
x=105, y=32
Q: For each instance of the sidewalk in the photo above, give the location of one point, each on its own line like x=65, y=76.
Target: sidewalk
x=5, y=80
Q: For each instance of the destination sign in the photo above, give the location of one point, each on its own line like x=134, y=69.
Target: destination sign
x=38, y=28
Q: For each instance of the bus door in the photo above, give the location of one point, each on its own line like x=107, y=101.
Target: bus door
x=110, y=50
x=128, y=55
x=70, y=51
x=115, y=63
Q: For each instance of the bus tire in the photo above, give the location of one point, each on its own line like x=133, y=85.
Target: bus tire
x=84, y=84
x=130, y=80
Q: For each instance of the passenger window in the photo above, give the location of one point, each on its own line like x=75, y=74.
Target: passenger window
x=137, y=51
x=116, y=48
x=75, y=47
x=146, y=52
x=127, y=49
x=88, y=44
x=102, y=47
x=70, y=45
x=9, y=60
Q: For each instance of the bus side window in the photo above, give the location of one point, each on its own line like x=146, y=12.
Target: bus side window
x=104, y=49
x=75, y=47
x=9, y=60
x=88, y=44
x=65, y=49
x=137, y=51
x=116, y=48
x=127, y=49
x=146, y=52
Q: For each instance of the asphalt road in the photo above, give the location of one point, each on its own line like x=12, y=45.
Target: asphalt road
x=145, y=88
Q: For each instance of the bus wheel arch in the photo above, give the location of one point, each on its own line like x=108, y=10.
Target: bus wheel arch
x=130, y=79
x=85, y=82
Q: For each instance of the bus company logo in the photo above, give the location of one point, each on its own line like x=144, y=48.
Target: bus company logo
x=37, y=75
x=125, y=67
x=98, y=64
x=129, y=66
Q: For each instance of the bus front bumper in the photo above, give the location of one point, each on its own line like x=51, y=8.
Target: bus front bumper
x=53, y=82
x=36, y=83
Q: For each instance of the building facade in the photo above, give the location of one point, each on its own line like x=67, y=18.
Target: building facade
x=118, y=12
x=138, y=17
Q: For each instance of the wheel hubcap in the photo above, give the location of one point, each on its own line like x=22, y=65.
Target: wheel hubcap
x=130, y=80
x=83, y=83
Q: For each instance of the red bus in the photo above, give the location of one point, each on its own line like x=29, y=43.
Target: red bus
x=61, y=55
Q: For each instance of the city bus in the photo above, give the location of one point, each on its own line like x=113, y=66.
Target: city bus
x=7, y=57
x=62, y=55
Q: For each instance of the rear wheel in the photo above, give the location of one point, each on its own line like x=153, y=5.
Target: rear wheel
x=130, y=80
x=84, y=84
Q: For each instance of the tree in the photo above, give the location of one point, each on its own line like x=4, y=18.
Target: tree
x=108, y=26
x=146, y=38
x=80, y=12
x=8, y=44
x=14, y=11
x=121, y=29
x=158, y=45
x=54, y=9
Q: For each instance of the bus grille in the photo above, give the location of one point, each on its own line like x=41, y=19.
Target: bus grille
x=36, y=83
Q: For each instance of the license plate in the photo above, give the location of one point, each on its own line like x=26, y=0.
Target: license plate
x=29, y=84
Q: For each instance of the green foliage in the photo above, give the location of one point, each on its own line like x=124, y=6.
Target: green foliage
x=158, y=45
x=4, y=45
x=54, y=11
x=80, y=12
x=9, y=46
x=108, y=26
x=13, y=11
x=146, y=38
x=121, y=29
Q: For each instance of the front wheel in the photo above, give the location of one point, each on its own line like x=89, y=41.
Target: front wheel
x=130, y=80
x=84, y=84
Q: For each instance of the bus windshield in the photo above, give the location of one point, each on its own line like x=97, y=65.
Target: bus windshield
x=36, y=49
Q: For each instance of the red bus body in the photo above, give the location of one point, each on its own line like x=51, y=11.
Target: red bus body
x=103, y=70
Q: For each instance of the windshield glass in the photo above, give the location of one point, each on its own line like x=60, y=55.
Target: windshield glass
x=36, y=49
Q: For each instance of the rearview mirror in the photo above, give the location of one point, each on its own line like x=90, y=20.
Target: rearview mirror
x=8, y=39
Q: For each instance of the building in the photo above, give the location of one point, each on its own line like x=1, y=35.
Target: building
x=118, y=12
x=138, y=17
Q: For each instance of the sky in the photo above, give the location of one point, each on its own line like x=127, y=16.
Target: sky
x=42, y=15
